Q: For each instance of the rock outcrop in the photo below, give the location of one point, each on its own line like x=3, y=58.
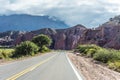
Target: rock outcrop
x=110, y=33
x=62, y=38
x=8, y=38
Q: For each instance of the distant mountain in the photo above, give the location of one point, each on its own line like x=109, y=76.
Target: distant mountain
x=24, y=22
x=106, y=35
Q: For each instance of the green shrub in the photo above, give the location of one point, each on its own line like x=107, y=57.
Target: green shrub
x=103, y=55
x=88, y=50
x=6, y=53
x=115, y=65
x=42, y=40
x=109, y=56
x=91, y=52
x=45, y=49
x=26, y=48
x=115, y=55
x=1, y=56
x=98, y=53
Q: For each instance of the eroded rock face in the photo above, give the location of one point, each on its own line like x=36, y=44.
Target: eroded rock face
x=62, y=38
x=74, y=36
x=106, y=35
x=110, y=33
x=8, y=38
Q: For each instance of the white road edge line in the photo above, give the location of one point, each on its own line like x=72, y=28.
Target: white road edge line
x=74, y=69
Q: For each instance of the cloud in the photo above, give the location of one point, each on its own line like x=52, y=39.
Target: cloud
x=90, y=13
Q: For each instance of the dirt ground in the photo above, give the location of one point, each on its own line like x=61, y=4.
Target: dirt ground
x=93, y=70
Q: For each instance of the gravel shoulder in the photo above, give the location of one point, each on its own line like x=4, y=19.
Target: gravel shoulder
x=93, y=70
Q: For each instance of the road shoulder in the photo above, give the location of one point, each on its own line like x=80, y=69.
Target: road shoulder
x=92, y=70
x=76, y=71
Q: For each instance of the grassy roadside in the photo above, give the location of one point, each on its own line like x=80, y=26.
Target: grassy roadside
x=39, y=44
x=6, y=55
x=110, y=57
x=9, y=53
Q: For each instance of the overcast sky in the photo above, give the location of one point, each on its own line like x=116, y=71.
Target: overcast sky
x=90, y=13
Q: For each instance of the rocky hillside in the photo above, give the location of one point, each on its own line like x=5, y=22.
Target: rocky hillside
x=110, y=33
x=106, y=35
x=62, y=38
x=8, y=38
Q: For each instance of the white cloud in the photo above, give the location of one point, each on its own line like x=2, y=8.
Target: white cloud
x=87, y=12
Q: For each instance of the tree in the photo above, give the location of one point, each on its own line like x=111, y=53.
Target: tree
x=42, y=41
x=26, y=48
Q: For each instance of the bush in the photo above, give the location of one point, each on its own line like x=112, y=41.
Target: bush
x=91, y=52
x=26, y=48
x=81, y=49
x=115, y=65
x=42, y=40
x=109, y=56
x=45, y=49
x=1, y=54
x=6, y=53
x=115, y=55
x=98, y=53
x=103, y=55
x=88, y=50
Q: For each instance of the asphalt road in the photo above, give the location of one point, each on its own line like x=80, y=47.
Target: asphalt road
x=52, y=66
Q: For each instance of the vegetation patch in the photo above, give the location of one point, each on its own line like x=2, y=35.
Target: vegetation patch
x=43, y=41
x=110, y=57
x=115, y=65
x=26, y=48
x=6, y=53
x=88, y=50
x=38, y=44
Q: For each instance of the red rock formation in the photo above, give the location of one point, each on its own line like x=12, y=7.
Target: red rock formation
x=62, y=38
x=106, y=35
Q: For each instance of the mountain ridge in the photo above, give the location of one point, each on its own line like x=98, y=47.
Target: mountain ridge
x=106, y=35
x=25, y=22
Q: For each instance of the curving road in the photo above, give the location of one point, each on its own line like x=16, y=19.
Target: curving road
x=52, y=66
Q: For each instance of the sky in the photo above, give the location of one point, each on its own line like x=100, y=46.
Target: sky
x=90, y=13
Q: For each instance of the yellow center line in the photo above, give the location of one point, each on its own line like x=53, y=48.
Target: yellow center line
x=14, y=77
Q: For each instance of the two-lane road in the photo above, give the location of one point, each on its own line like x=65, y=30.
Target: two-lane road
x=52, y=66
